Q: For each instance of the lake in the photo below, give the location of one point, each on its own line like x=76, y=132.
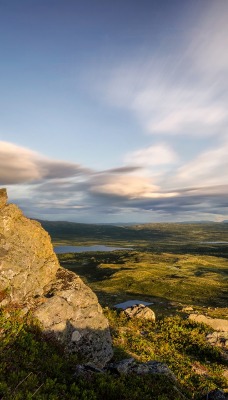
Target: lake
x=211, y=242
x=81, y=249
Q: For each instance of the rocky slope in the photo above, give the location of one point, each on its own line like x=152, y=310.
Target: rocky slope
x=31, y=276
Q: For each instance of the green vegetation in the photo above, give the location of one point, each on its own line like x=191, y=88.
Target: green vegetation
x=34, y=366
x=168, y=266
x=169, y=281
x=159, y=238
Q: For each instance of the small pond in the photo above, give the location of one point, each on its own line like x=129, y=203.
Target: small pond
x=81, y=249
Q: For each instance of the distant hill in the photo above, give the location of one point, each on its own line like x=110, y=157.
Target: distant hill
x=143, y=234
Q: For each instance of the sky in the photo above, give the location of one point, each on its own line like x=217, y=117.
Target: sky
x=115, y=111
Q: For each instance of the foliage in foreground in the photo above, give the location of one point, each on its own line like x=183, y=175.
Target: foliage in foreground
x=35, y=367
x=179, y=343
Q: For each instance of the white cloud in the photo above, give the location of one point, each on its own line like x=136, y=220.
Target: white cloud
x=208, y=169
x=157, y=155
x=209, y=45
x=185, y=93
x=131, y=187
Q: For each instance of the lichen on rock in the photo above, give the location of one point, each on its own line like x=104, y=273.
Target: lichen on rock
x=30, y=274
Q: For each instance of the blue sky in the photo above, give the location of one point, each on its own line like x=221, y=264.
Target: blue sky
x=115, y=111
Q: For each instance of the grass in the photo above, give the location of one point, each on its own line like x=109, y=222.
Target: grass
x=170, y=281
x=170, y=267
x=34, y=366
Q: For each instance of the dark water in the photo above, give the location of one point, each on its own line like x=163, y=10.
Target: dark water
x=81, y=249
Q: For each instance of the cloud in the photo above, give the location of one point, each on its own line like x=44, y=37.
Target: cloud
x=210, y=41
x=210, y=168
x=126, y=186
x=123, y=170
x=59, y=190
x=163, y=105
x=156, y=155
x=22, y=165
x=183, y=92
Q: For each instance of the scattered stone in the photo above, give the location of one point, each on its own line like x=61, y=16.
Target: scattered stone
x=131, y=366
x=215, y=323
x=31, y=276
x=218, y=339
x=86, y=371
x=141, y=312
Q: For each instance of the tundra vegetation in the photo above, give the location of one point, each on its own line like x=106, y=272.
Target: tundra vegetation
x=171, y=266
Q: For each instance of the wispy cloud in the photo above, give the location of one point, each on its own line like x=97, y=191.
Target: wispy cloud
x=68, y=191
x=130, y=187
x=22, y=165
x=184, y=93
x=156, y=155
x=209, y=168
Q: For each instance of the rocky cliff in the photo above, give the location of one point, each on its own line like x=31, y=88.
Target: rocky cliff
x=31, y=276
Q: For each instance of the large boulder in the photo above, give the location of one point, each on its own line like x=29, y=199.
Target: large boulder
x=31, y=276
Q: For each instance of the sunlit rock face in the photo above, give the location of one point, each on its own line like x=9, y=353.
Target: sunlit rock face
x=27, y=260
x=31, y=276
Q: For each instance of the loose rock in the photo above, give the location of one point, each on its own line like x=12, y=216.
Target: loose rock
x=131, y=366
x=140, y=311
x=215, y=323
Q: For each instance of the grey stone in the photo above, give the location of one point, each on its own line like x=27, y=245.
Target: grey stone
x=218, y=339
x=215, y=323
x=131, y=366
x=141, y=312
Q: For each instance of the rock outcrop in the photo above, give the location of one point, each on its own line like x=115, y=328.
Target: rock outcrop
x=27, y=260
x=31, y=276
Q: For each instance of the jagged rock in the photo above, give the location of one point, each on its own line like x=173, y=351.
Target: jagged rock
x=215, y=323
x=3, y=197
x=27, y=260
x=31, y=275
x=131, y=366
x=140, y=311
